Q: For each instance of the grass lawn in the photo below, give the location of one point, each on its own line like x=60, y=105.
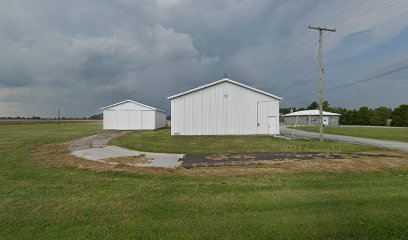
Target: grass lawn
x=396, y=134
x=161, y=141
x=69, y=203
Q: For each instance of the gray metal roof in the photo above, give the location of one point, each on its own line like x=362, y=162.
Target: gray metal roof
x=311, y=113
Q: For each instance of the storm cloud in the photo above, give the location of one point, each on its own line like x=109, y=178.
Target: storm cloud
x=81, y=55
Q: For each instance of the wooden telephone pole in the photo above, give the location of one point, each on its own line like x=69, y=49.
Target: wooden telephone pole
x=321, y=29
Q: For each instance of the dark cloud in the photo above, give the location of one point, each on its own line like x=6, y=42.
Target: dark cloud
x=81, y=55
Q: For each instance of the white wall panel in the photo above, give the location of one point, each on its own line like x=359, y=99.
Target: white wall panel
x=135, y=120
x=148, y=121
x=109, y=120
x=132, y=116
x=222, y=109
x=122, y=120
x=160, y=119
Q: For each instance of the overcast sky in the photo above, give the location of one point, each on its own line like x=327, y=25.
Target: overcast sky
x=80, y=55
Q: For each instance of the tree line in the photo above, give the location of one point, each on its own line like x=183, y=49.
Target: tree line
x=93, y=117
x=381, y=116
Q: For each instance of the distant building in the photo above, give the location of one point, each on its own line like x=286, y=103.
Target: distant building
x=224, y=107
x=131, y=115
x=311, y=118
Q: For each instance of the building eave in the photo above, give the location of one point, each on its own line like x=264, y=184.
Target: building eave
x=221, y=81
x=129, y=100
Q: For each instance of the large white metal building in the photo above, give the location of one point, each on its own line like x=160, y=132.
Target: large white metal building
x=131, y=115
x=224, y=107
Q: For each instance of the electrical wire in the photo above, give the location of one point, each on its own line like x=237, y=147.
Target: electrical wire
x=371, y=78
x=307, y=77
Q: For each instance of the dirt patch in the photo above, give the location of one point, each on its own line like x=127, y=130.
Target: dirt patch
x=201, y=160
x=221, y=157
x=366, y=162
x=58, y=156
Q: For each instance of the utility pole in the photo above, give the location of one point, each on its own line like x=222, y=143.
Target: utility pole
x=59, y=116
x=321, y=29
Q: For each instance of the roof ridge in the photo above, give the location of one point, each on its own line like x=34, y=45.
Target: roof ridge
x=130, y=100
x=220, y=81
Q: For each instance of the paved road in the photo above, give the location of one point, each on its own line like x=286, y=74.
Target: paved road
x=395, y=145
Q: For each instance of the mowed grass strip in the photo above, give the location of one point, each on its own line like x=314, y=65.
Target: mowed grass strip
x=385, y=133
x=161, y=141
x=70, y=203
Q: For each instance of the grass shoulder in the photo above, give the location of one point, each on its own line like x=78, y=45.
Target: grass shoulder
x=161, y=141
x=71, y=203
x=384, y=133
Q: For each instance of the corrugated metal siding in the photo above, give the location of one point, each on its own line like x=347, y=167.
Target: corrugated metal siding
x=148, y=120
x=160, y=119
x=109, y=120
x=131, y=116
x=223, y=109
x=310, y=120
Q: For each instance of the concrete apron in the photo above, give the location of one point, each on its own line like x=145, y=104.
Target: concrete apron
x=95, y=148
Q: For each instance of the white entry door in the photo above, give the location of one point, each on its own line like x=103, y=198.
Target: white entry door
x=326, y=121
x=272, y=125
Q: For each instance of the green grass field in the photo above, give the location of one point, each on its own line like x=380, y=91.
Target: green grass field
x=69, y=203
x=396, y=134
x=161, y=141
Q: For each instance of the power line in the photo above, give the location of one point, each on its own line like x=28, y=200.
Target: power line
x=297, y=50
x=358, y=13
x=295, y=53
x=346, y=14
x=359, y=18
x=340, y=13
x=297, y=82
x=371, y=78
x=306, y=77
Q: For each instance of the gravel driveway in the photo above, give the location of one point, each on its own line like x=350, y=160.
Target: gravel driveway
x=394, y=145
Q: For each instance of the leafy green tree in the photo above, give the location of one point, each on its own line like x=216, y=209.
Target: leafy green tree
x=400, y=116
x=313, y=106
x=363, y=116
x=326, y=106
x=285, y=110
x=97, y=116
x=380, y=116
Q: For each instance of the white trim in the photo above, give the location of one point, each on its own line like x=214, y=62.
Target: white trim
x=221, y=81
x=129, y=100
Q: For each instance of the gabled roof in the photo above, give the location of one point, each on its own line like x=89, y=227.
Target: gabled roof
x=129, y=100
x=311, y=113
x=221, y=81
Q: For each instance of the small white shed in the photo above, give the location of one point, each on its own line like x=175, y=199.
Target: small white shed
x=224, y=107
x=312, y=117
x=131, y=115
